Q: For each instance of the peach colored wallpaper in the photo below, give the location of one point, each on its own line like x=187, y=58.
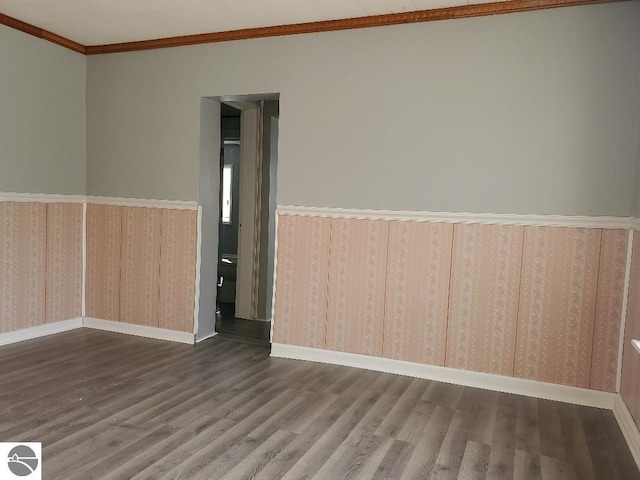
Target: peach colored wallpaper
x=606, y=338
x=140, y=266
x=64, y=261
x=22, y=265
x=630, y=381
x=103, y=261
x=358, y=260
x=302, y=280
x=129, y=251
x=543, y=303
x=483, y=308
x=417, y=291
x=557, y=305
x=178, y=241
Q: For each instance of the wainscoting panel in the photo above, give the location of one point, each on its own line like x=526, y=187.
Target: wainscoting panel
x=104, y=224
x=483, y=309
x=537, y=302
x=357, y=274
x=140, y=266
x=64, y=261
x=301, y=280
x=22, y=265
x=606, y=338
x=177, y=269
x=557, y=305
x=630, y=381
x=417, y=291
x=128, y=254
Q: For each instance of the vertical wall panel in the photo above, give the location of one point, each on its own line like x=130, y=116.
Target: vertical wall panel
x=557, y=305
x=177, y=269
x=64, y=261
x=22, y=265
x=301, y=281
x=485, y=275
x=630, y=381
x=140, y=266
x=103, y=261
x=636, y=411
x=606, y=340
x=357, y=286
x=417, y=291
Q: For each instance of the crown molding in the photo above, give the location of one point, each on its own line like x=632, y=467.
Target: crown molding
x=449, y=13
x=41, y=33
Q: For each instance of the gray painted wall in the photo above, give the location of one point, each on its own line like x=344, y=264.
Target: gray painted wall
x=273, y=189
x=42, y=116
x=268, y=193
x=533, y=112
x=209, y=187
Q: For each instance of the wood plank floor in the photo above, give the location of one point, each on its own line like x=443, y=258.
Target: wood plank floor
x=255, y=332
x=110, y=406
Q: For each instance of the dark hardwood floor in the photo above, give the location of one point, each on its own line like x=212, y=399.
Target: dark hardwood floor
x=111, y=406
x=254, y=332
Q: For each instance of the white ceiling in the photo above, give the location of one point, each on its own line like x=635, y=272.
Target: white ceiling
x=99, y=22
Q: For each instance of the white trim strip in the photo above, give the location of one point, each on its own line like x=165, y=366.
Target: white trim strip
x=196, y=306
x=84, y=259
x=636, y=344
x=499, y=383
x=139, y=330
x=40, y=331
x=40, y=197
x=625, y=301
x=275, y=274
x=628, y=426
x=211, y=335
x=124, y=202
x=473, y=218
x=606, y=222
x=143, y=202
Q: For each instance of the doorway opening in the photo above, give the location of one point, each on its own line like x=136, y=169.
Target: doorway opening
x=246, y=183
x=229, y=212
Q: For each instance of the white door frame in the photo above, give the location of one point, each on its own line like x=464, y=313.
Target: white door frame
x=249, y=214
x=209, y=213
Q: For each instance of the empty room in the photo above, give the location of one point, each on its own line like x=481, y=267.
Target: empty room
x=296, y=239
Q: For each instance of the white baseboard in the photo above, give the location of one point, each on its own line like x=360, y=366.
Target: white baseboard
x=499, y=383
x=139, y=330
x=211, y=335
x=628, y=427
x=40, y=331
